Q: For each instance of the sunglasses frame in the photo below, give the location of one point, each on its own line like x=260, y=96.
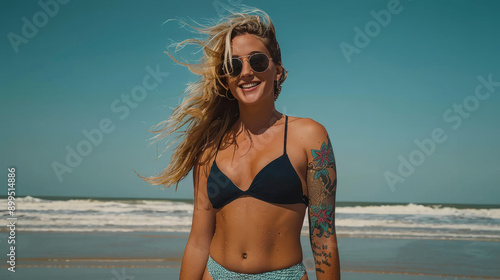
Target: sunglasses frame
x=249, y=57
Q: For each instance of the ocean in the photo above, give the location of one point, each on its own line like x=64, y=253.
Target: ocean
x=140, y=239
x=472, y=222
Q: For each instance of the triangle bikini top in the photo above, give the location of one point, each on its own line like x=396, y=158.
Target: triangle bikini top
x=277, y=182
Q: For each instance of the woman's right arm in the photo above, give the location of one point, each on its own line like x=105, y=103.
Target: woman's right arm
x=197, y=248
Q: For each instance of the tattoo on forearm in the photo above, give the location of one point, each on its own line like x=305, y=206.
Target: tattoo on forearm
x=321, y=257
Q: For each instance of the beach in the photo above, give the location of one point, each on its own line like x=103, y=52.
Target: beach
x=154, y=255
x=141, y=239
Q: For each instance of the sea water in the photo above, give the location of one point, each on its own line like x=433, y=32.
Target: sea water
x=470, y=222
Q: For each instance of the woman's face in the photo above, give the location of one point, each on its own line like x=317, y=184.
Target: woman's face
x=247, y=44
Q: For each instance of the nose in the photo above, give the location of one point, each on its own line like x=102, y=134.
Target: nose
x=246, y=70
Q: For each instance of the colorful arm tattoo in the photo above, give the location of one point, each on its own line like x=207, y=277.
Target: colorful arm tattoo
x=322, y=185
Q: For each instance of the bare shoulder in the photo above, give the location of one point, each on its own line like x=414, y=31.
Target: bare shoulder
x=201, y=168
x=203, y=162
x=310, y=131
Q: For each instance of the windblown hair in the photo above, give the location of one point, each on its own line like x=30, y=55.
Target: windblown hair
x=209, y=108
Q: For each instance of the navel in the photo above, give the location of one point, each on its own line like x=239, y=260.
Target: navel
x=244, y=255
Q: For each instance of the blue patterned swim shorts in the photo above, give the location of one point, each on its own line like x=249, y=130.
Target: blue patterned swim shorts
x=218, y=272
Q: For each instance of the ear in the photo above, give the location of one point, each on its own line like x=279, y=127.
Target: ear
x=279, y=72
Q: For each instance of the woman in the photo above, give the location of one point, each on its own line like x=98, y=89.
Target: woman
x=255, y=170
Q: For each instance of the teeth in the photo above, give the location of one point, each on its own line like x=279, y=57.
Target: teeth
x=249, y=85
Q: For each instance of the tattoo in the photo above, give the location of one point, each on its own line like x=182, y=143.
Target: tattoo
x=321, y=257
x=322, y=186
x=322, y=219
x=322, y=190
x=324, y=158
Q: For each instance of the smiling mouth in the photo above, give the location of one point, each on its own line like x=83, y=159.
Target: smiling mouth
x=249, y=85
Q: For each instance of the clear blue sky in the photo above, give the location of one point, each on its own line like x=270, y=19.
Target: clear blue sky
x=73, y=68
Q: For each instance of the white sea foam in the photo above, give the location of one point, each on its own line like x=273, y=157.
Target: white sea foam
x=416, y=209
x=391, y=221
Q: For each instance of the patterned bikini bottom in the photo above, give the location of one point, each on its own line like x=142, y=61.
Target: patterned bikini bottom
x=218, y=272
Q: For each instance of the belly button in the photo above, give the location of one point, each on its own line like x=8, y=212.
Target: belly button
x=244, y=255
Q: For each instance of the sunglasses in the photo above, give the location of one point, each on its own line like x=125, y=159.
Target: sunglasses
x=259, y=62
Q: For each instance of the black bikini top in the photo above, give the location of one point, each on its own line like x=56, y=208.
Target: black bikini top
x=277, y=182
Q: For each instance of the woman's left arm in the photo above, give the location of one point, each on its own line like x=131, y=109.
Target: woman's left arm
x=322, y=185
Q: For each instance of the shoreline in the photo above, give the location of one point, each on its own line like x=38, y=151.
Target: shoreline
x=154, y=255
x=186, y=235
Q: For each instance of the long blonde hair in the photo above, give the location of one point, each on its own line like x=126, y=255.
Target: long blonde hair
x=209, y=108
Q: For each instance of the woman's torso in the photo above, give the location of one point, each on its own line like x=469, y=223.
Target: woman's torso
x=252, y=235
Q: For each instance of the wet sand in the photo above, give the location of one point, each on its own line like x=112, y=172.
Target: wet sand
x=152, y=255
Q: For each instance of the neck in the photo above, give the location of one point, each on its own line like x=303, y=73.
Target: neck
x=257, y=119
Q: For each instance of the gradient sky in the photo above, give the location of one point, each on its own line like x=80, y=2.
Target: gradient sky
x=398, y=87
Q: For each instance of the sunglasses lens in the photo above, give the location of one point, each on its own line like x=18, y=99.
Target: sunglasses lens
x=235, y=70
x=259, y=62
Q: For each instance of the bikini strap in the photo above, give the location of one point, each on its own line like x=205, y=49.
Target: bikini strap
x=286, y=127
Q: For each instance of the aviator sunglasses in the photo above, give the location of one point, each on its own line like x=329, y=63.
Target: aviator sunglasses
x=259, y=62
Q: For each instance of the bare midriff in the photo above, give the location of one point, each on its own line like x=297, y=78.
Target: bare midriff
x=254, y=236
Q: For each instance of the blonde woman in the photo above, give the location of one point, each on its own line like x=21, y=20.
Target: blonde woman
x=255, y=170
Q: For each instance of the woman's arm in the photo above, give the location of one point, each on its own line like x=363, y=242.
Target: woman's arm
x=197, y=249
x=322, y=185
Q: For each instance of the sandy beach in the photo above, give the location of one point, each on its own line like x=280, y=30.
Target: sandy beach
x=153, y=255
